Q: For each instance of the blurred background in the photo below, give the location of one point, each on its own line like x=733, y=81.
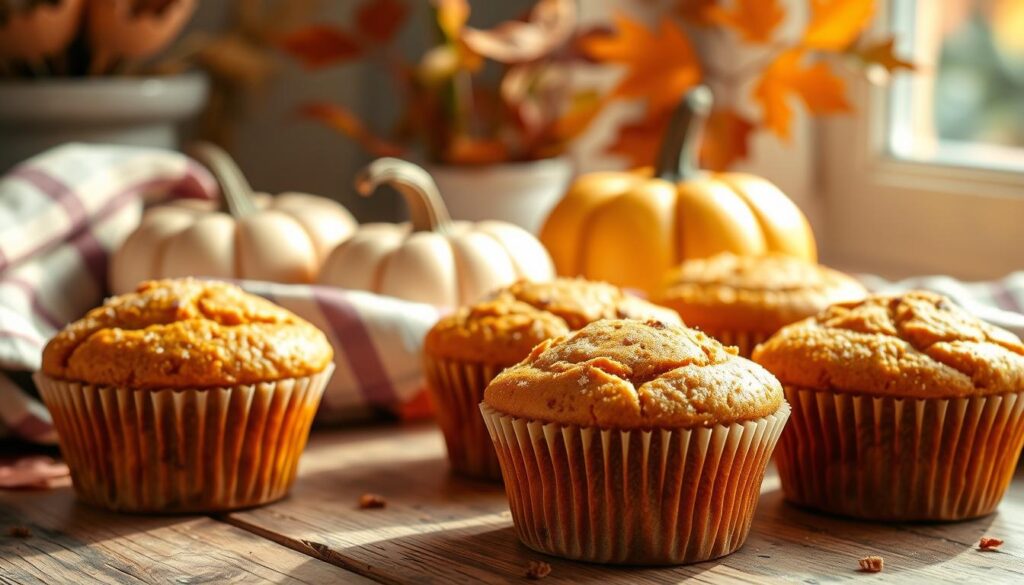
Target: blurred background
x=900, y=137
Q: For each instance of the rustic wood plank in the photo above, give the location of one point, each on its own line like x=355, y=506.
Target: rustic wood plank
x=441, y=529
x=70, y=542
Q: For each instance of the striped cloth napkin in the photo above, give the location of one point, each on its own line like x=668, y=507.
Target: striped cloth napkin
x=64, y=211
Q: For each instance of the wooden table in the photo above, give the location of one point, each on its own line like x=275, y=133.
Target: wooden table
x=440, y=529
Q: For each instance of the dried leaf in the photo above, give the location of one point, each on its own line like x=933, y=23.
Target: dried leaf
x=660, y=66
x=320, y=45
x=754, y=20
x=834, y=24
x=451, y=17
x=696, y=12
x=882, y=54
x=820, y=89
x=549, y=25
x=379, y=20
x=726, y=139
x=344, y=121
x=234, y=59
x=638, y=142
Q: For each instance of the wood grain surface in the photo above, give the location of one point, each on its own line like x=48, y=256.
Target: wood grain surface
x=436, y=528
x=441, y=529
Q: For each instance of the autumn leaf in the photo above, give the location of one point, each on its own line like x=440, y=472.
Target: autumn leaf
x=821, y=90
x=638, y=142
x=754, y=20
x=834, y=24
x=379, y=20
x=696, y=12
x=549, y=24
x=584, y=106
x=660, y=65
x=726, y=139
x=345, y=122
x=320, y=45
x=882, y=54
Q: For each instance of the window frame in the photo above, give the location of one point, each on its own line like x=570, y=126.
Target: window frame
x=898, y=216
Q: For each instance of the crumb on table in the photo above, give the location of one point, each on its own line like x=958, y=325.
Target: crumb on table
x=871, y=564
x=538, y=570
x=989, y=543
x=370, y=501
x=19, y=531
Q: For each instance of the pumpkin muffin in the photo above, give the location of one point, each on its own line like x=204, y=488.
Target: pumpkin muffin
x=904, y=408
x=743, y=300
x=465, y=350
x=634, y=442
x=184, y=396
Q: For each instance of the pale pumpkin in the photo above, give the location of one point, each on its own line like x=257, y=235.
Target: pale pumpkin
x=431, y=259
x=243, y=236
x=630, y=228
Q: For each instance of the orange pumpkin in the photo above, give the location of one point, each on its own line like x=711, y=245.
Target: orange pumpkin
x=630, y=228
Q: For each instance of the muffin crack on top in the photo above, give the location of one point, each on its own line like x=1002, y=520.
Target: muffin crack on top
x=634, y=374
x=918, y=344
x=186, y=333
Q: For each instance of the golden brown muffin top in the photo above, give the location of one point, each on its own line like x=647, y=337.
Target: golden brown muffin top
x=915, y=345
x=754, y=293
x=186, y=333
x=504, y=328
x=626, y=374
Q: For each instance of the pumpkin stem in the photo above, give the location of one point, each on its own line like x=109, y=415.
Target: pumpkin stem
x=426, y=208
x=235, y=191
x=679, y=158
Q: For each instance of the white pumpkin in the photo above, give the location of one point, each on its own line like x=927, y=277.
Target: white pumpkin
x=431, y=259
x=245, y=235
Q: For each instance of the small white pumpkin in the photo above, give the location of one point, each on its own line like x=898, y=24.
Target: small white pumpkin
x=431, y=259
x=246, y=235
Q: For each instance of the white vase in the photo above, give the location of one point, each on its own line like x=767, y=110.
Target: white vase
x=142, y=111
x=520, y=192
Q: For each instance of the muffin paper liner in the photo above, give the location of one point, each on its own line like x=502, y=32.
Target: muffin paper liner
x=886, y=458
x=457, y=388
x=658, y=497
x=745, y=341
x=183, y=450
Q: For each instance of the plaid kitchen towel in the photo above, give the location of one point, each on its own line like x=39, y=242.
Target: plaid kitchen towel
x=64, y=211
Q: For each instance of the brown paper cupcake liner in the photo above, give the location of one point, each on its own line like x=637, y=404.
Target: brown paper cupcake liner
x=885, y=458
x=633, y=497
x=745, y=341
x=183, y=450
x=457, y=388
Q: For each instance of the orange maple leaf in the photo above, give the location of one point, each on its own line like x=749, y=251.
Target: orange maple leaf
x=726, y=139
x=345, y=122
x=754, y=20
x=696, y=12
x=379, y=20
x=320, y=45
x=882, y=54
x=639, y=141
x=820, y=89
x=834, y=24
x=660, y=66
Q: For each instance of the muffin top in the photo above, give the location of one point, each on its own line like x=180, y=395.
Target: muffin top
x=626, y=374
x=504, y=328
x=759, y=293
x=186, y=333
x=915, y=345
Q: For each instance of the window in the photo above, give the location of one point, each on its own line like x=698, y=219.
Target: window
x=928, y=177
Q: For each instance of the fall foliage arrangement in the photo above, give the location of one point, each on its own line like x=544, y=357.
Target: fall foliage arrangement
x=661, y=64
x=533, y=111
x=477, y=96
